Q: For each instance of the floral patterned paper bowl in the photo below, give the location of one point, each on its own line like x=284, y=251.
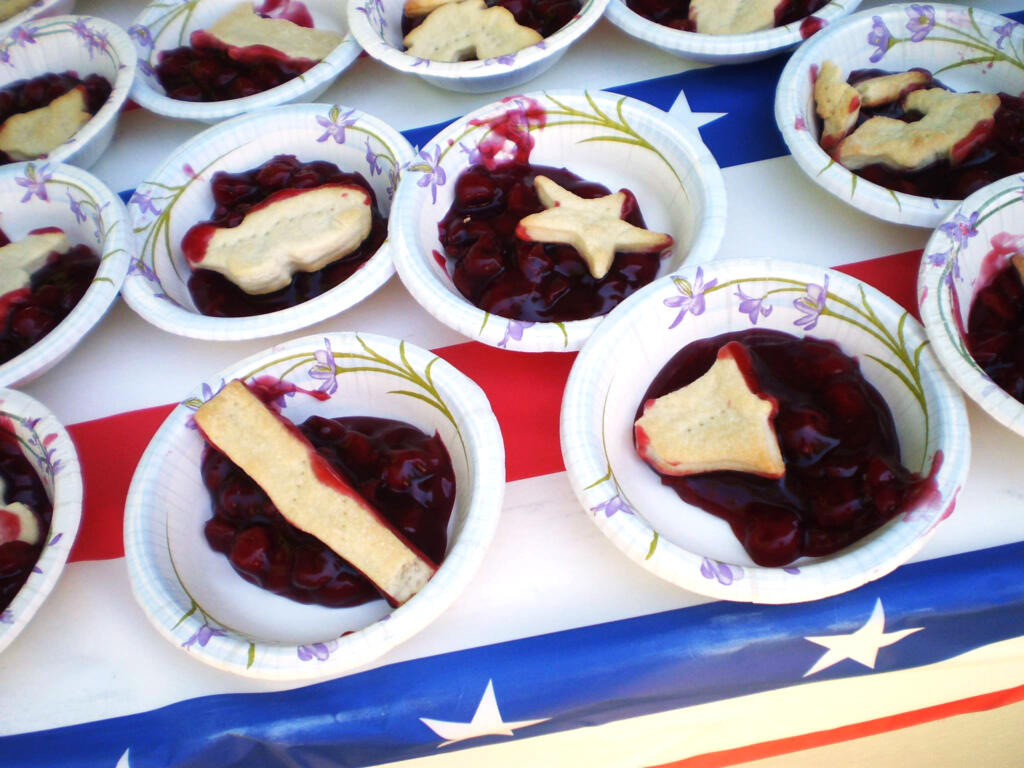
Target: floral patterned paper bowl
x=695, y=549
x=725, y=49
x=967, y=48
x=177, y=195
x=38, y=10
x=974, y=242
x=613, y=140
x=163, y=26
x=48, y=448
x=34, y=195
x=377, y=25
x=85, y=45
x=192, y=595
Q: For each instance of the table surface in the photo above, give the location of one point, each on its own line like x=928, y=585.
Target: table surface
x=91, y=632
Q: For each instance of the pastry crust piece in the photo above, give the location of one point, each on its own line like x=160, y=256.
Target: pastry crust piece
x=36, y=133
x=291, y=231
x=243, y=27
x=309, y=493
x=1018, y=263
x=717, y=422
x=10, y=7
x=416, y=8
x=18, y=260
x=464, y=30
x=886, y=89
x=732, y=17
x=594, y=227
x=837, y=104
x=951, y=126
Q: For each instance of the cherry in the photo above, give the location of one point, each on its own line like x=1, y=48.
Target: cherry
x=772, y=535
x=995, y=330
x=21, y=484
x=249, y=551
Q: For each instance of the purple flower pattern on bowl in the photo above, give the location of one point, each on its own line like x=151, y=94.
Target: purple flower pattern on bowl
x=921, y=22
x=752, y=307
x=335, y=123
x=724, y=573
x=811, y=305
x=880, y=38
x=317, y=651
x=691, y=298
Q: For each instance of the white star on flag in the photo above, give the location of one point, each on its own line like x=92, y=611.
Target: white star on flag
x=681, y=111
x=861, y=646
x=486, y=722
x=123, y=762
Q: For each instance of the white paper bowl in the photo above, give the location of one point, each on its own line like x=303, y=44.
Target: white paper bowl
x=976, y=240
x=377, y=25
x=964, y=49
x=35, y=195
x=695, y=549
x=612, y=140
x=85, y=45
x=720, y=49
x=40, y=9
x=158, y=29
x=177, y=195
x=195, y=599
x=47, y=446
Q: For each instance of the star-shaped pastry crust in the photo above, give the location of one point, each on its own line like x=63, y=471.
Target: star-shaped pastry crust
x=953, y=124
x=717, y=422
x=18, y=260
x=837, y=103
x=458, y=31
x=594, y=227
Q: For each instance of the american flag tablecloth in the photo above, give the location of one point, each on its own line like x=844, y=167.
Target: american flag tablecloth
x=562, y=651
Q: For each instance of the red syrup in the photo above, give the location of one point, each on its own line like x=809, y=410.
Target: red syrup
x=843, y=474
x=520, y=280
x=21, y=484
x=209, y=70
x=676, y=13
x=29, y=314
x=405, y=474
x=545, y=16
x=995, y=330
x=237, y=193
x=993, y=151
x=26, y=95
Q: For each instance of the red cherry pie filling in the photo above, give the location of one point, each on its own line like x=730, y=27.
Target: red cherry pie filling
x=530, y=281
x=235, y=194
x=676, y=13
x=21, y=485
x=843, y=477
x=29, y=314
x=35, y=93
x=405, y=474
x=545, y=16
x=995, y=330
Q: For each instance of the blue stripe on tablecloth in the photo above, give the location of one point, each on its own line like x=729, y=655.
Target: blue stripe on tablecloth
x=578, y=677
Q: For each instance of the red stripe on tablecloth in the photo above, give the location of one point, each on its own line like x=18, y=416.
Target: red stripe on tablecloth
x=525, y=391
x=767, y=749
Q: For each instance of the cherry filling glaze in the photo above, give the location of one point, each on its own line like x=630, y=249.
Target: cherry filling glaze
x=28, y=314
x=404, y=473
x=843, y=474
x=209, y=70
x=21, y=483
x=529, y=281
x=37, y=92
x=545, y=16
x=676, y=13
x=997, y=151
x=995, y=330
x=234, y=194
